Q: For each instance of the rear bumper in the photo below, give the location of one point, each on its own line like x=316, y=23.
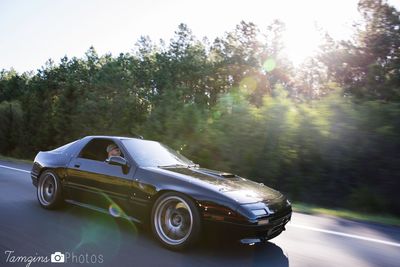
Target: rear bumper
x=35, y=173
x=34, y=179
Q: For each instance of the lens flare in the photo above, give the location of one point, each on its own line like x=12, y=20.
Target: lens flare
x=269, y=65
x=103, y=232
x=96, y=230
x=248, y=85
x=114, y=210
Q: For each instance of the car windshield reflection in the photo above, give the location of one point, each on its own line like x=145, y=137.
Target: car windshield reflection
x=154, y=154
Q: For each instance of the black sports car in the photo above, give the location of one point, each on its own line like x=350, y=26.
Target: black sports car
x=148, y=182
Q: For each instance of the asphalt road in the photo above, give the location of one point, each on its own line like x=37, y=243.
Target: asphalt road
x=88, y=238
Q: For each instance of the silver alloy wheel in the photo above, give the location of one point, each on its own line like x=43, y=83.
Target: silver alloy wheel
x=47, y=189
x=173, y=220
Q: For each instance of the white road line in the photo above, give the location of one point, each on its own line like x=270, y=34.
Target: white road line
x=295, y=225
x=15, y=169
x=344, y=234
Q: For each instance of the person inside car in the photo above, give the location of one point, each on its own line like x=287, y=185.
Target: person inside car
x=113, y=150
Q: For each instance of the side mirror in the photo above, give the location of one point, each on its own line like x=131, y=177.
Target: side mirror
x=119, y=161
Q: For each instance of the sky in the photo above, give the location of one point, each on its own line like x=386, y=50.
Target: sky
x=33, y=31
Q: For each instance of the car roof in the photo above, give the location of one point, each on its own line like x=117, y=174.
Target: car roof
x=114, y=137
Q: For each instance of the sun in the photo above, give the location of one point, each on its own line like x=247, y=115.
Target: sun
x=306, y=23
x=301, y=42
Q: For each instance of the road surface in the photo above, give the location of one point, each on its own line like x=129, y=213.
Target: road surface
x=29, y=235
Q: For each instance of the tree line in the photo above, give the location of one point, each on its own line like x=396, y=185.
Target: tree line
x=325, y=132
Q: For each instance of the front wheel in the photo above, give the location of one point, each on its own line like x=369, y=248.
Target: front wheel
x=49, y=190
x=175, y=221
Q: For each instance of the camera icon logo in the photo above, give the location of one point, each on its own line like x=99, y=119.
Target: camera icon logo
x=57, y=257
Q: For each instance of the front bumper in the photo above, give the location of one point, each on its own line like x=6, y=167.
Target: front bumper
x=251, y=233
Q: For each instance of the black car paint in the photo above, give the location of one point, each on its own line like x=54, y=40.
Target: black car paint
x=221, y=197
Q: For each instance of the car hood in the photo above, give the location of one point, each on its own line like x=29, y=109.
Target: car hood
x=241, y=190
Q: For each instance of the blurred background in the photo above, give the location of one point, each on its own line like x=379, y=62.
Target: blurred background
x=322, y=126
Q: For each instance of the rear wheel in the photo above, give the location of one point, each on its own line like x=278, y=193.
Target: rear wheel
x=49, y=190
x=175, y=221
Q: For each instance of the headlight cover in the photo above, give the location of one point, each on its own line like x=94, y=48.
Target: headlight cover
x=259, y=212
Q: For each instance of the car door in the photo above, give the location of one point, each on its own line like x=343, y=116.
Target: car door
x=93, y=181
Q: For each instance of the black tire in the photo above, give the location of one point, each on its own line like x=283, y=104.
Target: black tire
x=49, y=190
x=175, y=221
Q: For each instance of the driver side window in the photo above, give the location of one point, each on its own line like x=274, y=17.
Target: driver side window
x=96, y=149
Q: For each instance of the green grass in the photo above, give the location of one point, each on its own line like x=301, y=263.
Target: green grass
x=347, y=214
x=15, y=160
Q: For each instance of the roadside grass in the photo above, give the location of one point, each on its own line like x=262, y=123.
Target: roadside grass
x=347, y=214
x=15, y=159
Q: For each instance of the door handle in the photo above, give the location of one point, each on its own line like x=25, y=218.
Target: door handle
x=77, y=165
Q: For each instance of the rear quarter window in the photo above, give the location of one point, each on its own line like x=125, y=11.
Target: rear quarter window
x=64, y=148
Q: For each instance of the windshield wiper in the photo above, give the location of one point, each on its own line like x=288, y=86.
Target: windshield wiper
x=194, y=165
x=179, y=165
x=172, y=166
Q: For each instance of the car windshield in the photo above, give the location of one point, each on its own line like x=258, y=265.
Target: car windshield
x=154, y=154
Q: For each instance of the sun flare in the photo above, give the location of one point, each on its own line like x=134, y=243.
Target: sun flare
x=306, y=22
x=301, y=42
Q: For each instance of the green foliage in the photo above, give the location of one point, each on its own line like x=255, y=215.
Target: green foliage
x=236, y=105
x=11, y=126
x=368, y=66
